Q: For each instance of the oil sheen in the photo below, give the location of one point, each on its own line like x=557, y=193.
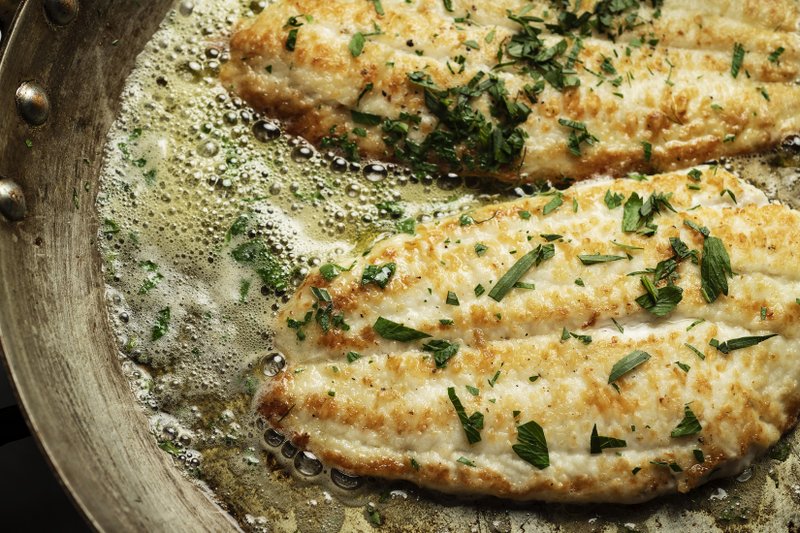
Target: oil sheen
x=209, y=217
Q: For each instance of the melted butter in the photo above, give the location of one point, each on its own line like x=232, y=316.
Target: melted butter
x=184, y=163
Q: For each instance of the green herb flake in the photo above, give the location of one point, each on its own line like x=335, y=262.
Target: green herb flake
x=442, y=351
x=737, y=60
x=533, y=258
x=613, y=200
x=394, y=331
x=525, y=215
x=162, y=324
x=699, y=456
x=688, y=426
x=627, y=364
x=596, y=259
x=380, y=275
x=480, y=249
x=408, y=226
x=740, y=343
x=683, y=366
x=356, y=45
x=494, y=379
x=473, y=390
x=618, y=326
x=479, y=290
x=472, y=424
x=776, y=54
x=353, y=356
x=464, y=461
x=452, y=298
x=531, y=445
x=598, y=443
x=556, y=202
x=694, y=350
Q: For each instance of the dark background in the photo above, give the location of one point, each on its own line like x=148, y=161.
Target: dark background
x=31, y=498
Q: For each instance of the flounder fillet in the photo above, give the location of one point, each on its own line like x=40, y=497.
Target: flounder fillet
x=630, y=89
x=382, y=407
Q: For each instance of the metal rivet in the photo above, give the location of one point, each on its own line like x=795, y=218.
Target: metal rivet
x=61, y=12
x=12, y=201
x=33, y=103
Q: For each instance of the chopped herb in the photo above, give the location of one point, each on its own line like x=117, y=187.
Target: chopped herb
x=620, y=328
x=659, y=301
x=531, y=445
x=738, y=59
x=699, y=456
x=578, y=135
x=408, y=226
x=396, y=332
x=472, y=424
x=366, y=119
x=695, y=174
x=763, y=313
x=466, y=220
x=375, y=517
x=695, y=323
x=597, y=259
x=525, y=215
x=379, y=10
x=550, y=237
x=683, y=366
x=330, y=271
x=776, y=54
x=353, y=356
x=715, y=266
x=648, y=150
x=356, y=45
x=299, y=325
x=566, y=335
x=331, y=393
x=729, y=193
x=697, y=352
x=533, y=379
x=244, y=289
x=445, y=322
x=291, y=40
x=464, y=461
x=598, y=443
x=162, y=324
x=494, y=379
x=380, y=275
x=442, y=351
x=473, y=390
x=526, y=262
x=626, y=247
x=556, y=202
x=452, y=298
x=739, y=343
x=480, y=249
x=479, y=290
x=688, y=426
x=627, y=364
x=579, y=282
x=638, y=213
x=636, y=470
x=613, y=199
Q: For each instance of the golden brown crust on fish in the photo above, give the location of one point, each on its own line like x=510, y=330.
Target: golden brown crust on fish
x=666, y=83
x=515, y=363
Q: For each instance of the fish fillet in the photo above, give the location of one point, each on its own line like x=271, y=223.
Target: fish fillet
x=545, y=351
x=660, y=96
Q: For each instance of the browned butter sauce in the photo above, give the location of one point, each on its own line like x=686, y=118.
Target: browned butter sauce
x=210, y=217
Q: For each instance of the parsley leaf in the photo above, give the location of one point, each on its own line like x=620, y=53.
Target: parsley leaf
x=688, y=426
x=627, y=364
x=531, y=445
x=613, y=200
x=396, y=332
x=442, y=351
x=598, y=443
x=380, y=275
x=473, y=424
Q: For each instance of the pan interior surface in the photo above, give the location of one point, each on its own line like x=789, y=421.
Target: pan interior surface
x=209, y=217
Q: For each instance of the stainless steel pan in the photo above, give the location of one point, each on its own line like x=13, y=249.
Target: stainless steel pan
x=62, y=70
x=62, y=67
